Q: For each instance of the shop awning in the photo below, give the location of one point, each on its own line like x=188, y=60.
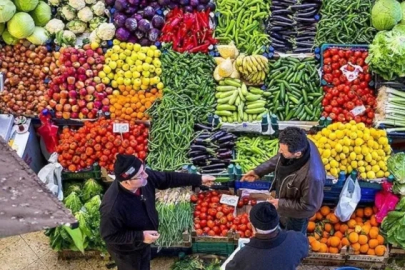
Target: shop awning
x=25, y=203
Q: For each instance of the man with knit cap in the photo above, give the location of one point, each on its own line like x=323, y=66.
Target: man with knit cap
x=270, y=248
x=129, y=220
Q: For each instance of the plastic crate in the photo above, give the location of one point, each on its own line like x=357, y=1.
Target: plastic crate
x=262, y=184
x=222, y=249
x=93, y=172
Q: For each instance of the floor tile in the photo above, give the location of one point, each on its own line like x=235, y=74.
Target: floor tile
x=100, y=264
x=37, y=265
x=51, y=261
x=38, y=242
x=17, y=256
x=8, y=241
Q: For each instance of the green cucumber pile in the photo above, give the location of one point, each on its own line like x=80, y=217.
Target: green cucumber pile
x=238, y=103
x=295, y=91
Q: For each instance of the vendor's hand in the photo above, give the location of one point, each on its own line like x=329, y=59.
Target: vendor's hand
x=208, y=180
x=150, y=237
x=274, y=202
x=250, y=176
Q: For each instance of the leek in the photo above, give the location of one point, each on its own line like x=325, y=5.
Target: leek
x=390, y=109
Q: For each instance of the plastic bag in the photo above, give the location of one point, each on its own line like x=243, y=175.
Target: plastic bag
x=48, y=132
x=385, y=201
x=348, y=200
x=51, y=176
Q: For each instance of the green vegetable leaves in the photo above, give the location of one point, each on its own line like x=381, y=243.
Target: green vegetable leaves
x=91, y=188
x=73, y=202
x=393, y=225
x=396, y=166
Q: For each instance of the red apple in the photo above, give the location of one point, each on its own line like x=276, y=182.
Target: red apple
x=58, y=107
x=56, y=96
x=100, y=87
x=63, y=101
x=58, y=115
x=90, y=105
x=88, y=98
x=52, y=103
x=79, y=84
x=75, y=108
x=109, y=90
x=105, y=102
x=64, y=94
x=81, y=103
x=84, y=111
x=66, y=115
x=67, y=107
x=71, y=80
x=90, y=90
x=74, y=115
x=72, y=101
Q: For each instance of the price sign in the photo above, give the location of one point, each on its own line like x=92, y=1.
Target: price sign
x=229, y=200
x=121, y=127
x=358, y=110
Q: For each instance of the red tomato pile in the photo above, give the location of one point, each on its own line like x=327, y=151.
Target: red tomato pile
x=96, y=142
x=215, y=219
x=343, y=96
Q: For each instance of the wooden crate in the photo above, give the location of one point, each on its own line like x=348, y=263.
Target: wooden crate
x=396, y=250
x=368, y=258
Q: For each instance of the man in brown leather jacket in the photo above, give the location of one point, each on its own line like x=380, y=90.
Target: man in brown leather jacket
x=299, y=178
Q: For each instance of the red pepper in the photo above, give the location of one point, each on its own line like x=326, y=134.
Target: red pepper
x=201, y=48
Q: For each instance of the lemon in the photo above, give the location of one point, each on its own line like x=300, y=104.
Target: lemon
x=353, y=156
x=361, y=126
x=129, y=61
x=353, y=135
x=375, y=168
x=125, y=67
x=342, y=156
x=362, y=169
x=158, y=71
x=364, y=150
x=325, y=132
x=343, y=162
x=127, y=81
x=141, y=56
x=373, y=162
x=359, y=157
x=374, y=155
x=137, y=82
x=145, y=81
x=347, y=141
x=368, y=157
x=101, y=74
x=334, y=163
x=157, y=53
x=326, y=153
x=366, y=137
x=363, y=175
x=332, y=136
x=146, y=74
x=116, y=42
x=354, y=164
x=148, y=60
x=123, y=45
x=327, y=146
x=327, y=167
x=370, y=143
x=106, y=80
x=339, y=134
x=360, y=163
x=333, y=171
x=137, y=47
x=380, y=152
x=130, y=46
x=359, y=134
x=323, y=140
x=153, y=47
x=358, y=142
x=338, y=148
x=381, y=164
x=386, y=174
x=160, y=86
x=380, y=174
x=342, y=168
x=340, y=126
x=136, y=74
x=349, y=169
x=122, y=56
x=368, y=168
x=345, y=149
x=370, y=175
x=357, y=150
x=145, y=66
x=116, y=49
x=128, y=74
x=150, y=53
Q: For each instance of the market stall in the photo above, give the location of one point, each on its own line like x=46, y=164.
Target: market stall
x=205, y=87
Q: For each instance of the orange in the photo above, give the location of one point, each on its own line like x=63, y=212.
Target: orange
x=371, y=252
x=324, y=248
x=313, y=218
x=325, y=210
x=380, y=250
x=337, y=227
x=360, y=212
x=373, y=243
x=311, y=239
x=319, y=216
x=364, y=249
x=353, y=237
x=315, y=246
x=325, y=234
x=351, y=223
x=374, y=233
x=333, y=250
x=359, y=220
x=375, y=210
x=334, y=241
x=317, y=236
x=311, y=226
x=345, y=242
x=373, y=221
x=333, y=218
x=324, y=240
x=328, y=227
x=380, y=240
x=363, y=239
x=353, y=216
x=368, y=212
x=356, y=246
x=365, y=229
x=338, y=234
x=343, y=228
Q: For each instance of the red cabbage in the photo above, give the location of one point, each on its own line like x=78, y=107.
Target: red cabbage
x=131, y=10
x=121, y=5
x=119, y=19
x=158, y=22
x=133, y=39
x=131, y=24
x=144, y=25
x=194, y=3
x=148, y=12
x=145, y=42
x=155, y=5
x=164, y=3
x=200, y=7
x=204, y=2
x=139, y=34
x=137, y=16
x=133, y=2
x=122, y=34
x=153, y=34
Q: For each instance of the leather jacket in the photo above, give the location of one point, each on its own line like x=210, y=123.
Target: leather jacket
x=301, y=193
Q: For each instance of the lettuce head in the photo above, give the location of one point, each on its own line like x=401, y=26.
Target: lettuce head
x=386, y=14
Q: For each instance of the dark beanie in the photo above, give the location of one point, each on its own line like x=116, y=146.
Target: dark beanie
x=126, y=166
x=264, y=216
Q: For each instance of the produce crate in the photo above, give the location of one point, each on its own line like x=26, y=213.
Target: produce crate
x=230, y=238
x=368, y=258
x=262, y=184
x=93, y=172
x=77, y=255
x=217, y=248
x=396, y=250
x=330, y=259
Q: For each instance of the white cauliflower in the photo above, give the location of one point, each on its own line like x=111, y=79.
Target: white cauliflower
x=98, y=8
x=54, y=2
x=106, y=31
x=77, y=4
x=85, y=14
x=68, y=13
x=93, y=37
x=90, y=2
x=54, y=26
x=66, y=37
x=76, y=26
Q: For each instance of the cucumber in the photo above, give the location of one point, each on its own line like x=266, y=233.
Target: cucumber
x=255, y=106
x=225, y=88
x=244, y=89
x=233, y=98
x=251, y=97
x=223, y=113
x=232, y=82
x=242, y=97
x=224, y=100
x=255, y=111
x=255, y=90
x=237, y=101
x=245, y=117
x=226, y=107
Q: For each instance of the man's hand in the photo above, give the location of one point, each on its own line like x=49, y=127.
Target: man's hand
x=150, y=237
x=250, y=176
x=208, y=180
x=274, y=202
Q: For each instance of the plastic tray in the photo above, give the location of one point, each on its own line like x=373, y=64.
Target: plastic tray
x=261, y=184
x=93, y=172
x=222, y=249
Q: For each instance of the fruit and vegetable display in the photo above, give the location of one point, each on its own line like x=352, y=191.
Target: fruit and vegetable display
x=212, y=152
x=353, y=146
x=292, y=25
x=253, y=151
x=295, y=93
x=361, y=234
x=348, y=95
x=175, y=215
x=25, y=68
x=393, y=225
x=75, y=90
x=238, y=103
x=96, y=142
x=84, y=200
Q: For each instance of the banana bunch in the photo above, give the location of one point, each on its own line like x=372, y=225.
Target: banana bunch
x=253, y=68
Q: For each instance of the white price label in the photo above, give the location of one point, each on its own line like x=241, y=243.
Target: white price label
x=121, y=127
x=229, y=200
x=358, y=110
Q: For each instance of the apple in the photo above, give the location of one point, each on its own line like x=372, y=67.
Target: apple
x=72, y=94
x=75, y=108
x=105, y=108
x=96, y=104
x=64, y=94
x=56, y=96
x=105, y=101
x=52, y=103
x=100, y=87
x=67, y=107
x=79, y=84
x=72, y=101
x=90, y=105
x=90, y=89
x=89, y=73
x=84, y=111
x=88, y=98
x=74, y=115
x=59, y=115
x=58, y=107
x=63, y=101
x=81, y=70
x=109, y=90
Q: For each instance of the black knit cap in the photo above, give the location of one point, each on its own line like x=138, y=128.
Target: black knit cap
x=264, y=216
x=126, y=167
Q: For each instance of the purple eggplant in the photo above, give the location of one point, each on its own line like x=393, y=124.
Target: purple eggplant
x=199, y=158
x=202, y=127
x=204, y=2
x=225, y=155
x=218, y=135
x=228, y=144
x=215, y=166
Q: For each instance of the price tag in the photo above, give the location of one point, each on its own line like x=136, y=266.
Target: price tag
x=358, y=110
x=229, y=200
x=353, y=74
x=121, y=127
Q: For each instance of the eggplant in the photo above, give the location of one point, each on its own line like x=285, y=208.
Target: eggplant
x=284, y=23
x=302, y=50
x=212, y=171
x=281, y=11
x=205, y=142
x=199, y=158
x=227, y=154
x=227, y=144
x=228, y=137
x=204, y=136
x=227, y=161
x=196, y=147
x=217, y=135
x=305, y=20
x=282, y=19
x=304, y=38
x=202, y=127
x=304, y=6
x=214, y=166
x=196, y=153
x=304, y=44
x=307, y=14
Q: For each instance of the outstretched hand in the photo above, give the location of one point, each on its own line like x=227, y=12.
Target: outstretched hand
x=250, y=176
x=208, y=180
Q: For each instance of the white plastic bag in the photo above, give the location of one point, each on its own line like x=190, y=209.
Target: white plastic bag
x=348, y=200
x=51, y=176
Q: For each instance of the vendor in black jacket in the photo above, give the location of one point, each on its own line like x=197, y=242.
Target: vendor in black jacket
x=270, y=248
x=129, y=220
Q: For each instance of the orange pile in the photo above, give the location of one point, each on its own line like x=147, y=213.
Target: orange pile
x=128, y=104
x=326, y=234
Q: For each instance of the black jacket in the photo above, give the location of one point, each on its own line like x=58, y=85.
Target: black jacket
x=301, y=193
x=124, y=215
x=283, y=252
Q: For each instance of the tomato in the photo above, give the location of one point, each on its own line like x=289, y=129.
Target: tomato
x=215, y=199
x=249, y=226
x=348, y=54
x=211, y=233
x=342, y=62
x=327, y=69
x=328, y=109
x=253, y=202
x=370, y=115
x=242, y=234
x=212, y=212
x=224, y=232
x=201, y=196
x=210, y=224
x=332, y=116
x=326, y=54
x=203, y=216
x=214, y=193
x=226, y=210
x=216, y=229
x=217, y=222
x=335, y=67
x=245, y=201
x=139, y=148
x=328, y=78
x=350, y=105
x=197, y=213
x=219, y=215
x=203, y=223
x=199, y=232
x=240, y=204
x=236, y=221
x=341, y=53
x=204, y=204
x=248, y=233
x=230, y=217
x=197, y=226
x=333, y=51
x=335, y=81
x=244, y=220
x=213, y=205
x=327, y=61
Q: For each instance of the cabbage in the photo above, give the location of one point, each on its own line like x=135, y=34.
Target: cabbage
x=26, y=5
x=7, y=10
x=403, y=13
x=9, y=39
x=41, y=14
x=2, y=26
x=386, y=14
x=21, y=25
x=39, y=37
x=396, y=166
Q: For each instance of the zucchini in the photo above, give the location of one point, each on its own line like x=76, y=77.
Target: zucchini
x=252, y=97
x=257, y=105
x=255, y=111
x=233, y=98
x=226, y=107
x=224, y=100
x=255, y=90
x=223, y=113
x=225, y=88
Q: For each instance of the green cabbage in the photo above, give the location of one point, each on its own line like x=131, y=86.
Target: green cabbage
x=396, y=166
x=9, y=39
x=2, y=26
x=386, y=14
x=403, y=13
x=41, y=14
x=91, y=188
x=7, y=10
x=26, y=5
x=73, y=202
x=39, y=37
x=21, y=25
